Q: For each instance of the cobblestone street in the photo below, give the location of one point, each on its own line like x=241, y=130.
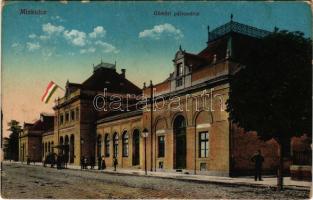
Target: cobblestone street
x=27, y=181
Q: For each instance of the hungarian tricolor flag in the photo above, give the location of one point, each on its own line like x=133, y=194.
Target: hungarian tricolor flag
x=51, y=88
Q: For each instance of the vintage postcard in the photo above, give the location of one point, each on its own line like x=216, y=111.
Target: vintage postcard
x=156, y=100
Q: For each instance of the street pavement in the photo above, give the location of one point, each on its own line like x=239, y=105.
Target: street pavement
x=35, y=181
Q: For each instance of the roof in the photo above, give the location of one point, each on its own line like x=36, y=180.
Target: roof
x=105, y=65
x=104, y=77
x=44, y=124
x=236, y=27
x=232, y=40
x=47, y=114
x=71, y=87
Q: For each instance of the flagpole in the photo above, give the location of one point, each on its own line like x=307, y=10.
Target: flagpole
x=58, y=124
x=60, y=87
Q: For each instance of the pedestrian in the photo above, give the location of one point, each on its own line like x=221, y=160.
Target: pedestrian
x=103, y=166
x=99, y=163
x=52, y=160
x=65, y=158
x=85, y=163
x=82, y=160
x=62, y=161
x=28, y=160
x=92, y=162
x=115, y=163
x=59, y=160
x=258, y=160
x=44, y=161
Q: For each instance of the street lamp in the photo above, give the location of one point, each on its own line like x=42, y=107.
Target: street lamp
x=145, y=134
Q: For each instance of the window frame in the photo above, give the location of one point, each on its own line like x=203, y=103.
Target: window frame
x=179, y=82
x=67, y=117
x=61, y=122
x=179, y=69
x=72, y=115
x=204, y=140
x=125, y=144
x=107, y=145
x=161, y=154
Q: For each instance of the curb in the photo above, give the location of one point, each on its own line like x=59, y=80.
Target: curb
x=211, y=181
x=229, y=184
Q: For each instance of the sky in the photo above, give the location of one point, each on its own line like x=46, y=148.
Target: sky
x=64, y=43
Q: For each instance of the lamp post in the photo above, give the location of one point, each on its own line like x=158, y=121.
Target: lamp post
x=145, y=134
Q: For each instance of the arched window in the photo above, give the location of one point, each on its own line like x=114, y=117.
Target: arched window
x=125, y=144
x=107, y=145
x=115, y=145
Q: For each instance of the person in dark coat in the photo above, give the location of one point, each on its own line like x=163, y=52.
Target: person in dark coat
x=59, y=161
x=92, y=162
x=65, y=160
x=258, y=159
x=85, y=163
x=28, y=160
x=99, y=163
x=82, y=160
x=103, y=166
x=115, y=163
x=52, y=159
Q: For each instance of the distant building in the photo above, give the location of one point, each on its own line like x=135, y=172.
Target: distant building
x=31, y=137
x=75, y=122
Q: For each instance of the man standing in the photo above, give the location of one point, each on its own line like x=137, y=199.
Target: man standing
x=82, y=160
x=99, y=163
x=59, y=160
x=258, y=159
x=115, y=163
x=92, y=162
x=103, y=166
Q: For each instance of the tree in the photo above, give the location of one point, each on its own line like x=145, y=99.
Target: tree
x=15, y=130
x=272, y=93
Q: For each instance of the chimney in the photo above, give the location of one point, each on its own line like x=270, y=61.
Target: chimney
x=123, y=72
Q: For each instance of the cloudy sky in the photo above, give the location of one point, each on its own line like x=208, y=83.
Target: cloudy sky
x=64, y=43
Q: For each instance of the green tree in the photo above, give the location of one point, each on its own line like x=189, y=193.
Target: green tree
x=15, y=130
x=272, y=93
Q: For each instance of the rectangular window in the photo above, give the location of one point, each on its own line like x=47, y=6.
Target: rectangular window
x=77, y=113
x=67, y=116
x=179, y=69
x=179, y=82
x=203, y=167
x=203, y=144
x=161, y=146
x=125, y=145
x=72, y=115
x=107, y=147
x=61, y=119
